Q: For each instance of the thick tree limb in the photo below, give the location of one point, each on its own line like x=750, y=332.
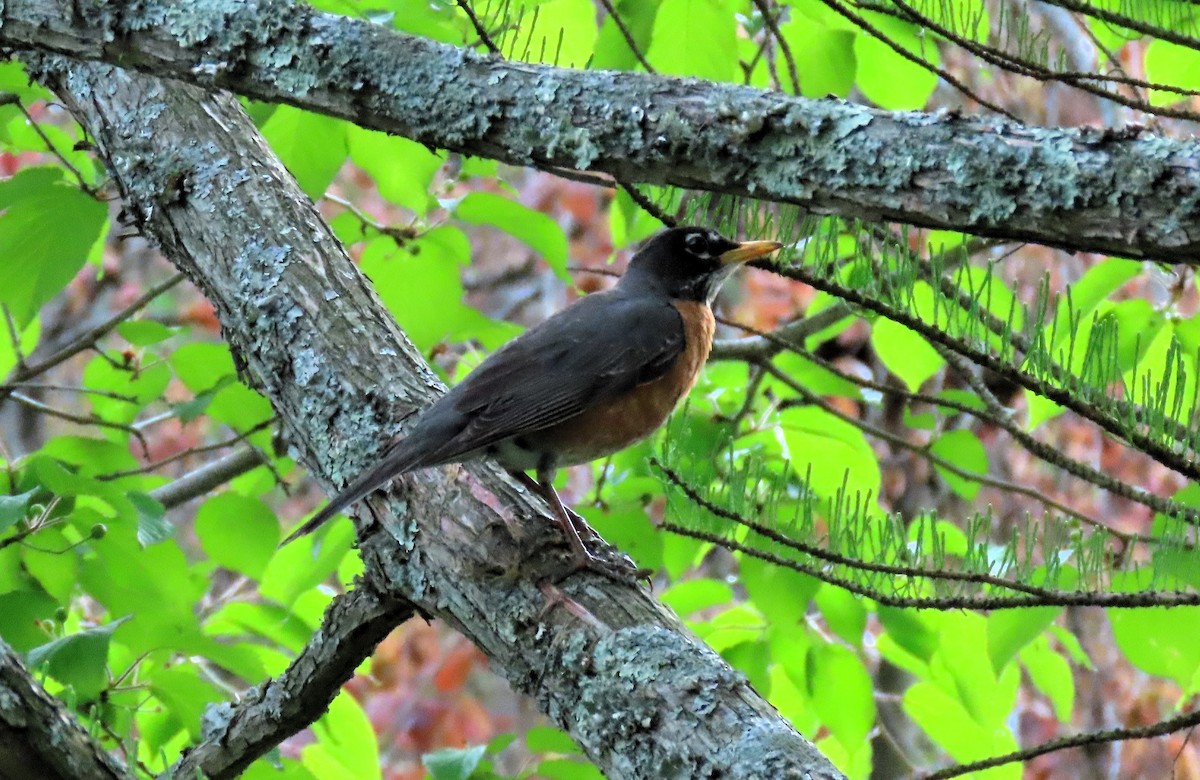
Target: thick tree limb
x=1124, y=194
x=642, y=695
x=39, y=737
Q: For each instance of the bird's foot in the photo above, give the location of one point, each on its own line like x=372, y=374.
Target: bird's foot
x=610, y=563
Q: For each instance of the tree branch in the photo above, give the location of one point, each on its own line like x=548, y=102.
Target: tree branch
x=642, y=695
x=1124, y=194
x=39, y=737
x=235, y=735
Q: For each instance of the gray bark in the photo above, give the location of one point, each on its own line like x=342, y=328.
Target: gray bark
x=1124, y=194
x=642, y=695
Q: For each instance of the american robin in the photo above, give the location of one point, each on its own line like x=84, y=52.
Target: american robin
x=592, y=379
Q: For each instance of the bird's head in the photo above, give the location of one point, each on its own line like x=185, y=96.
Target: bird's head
x=690, y=263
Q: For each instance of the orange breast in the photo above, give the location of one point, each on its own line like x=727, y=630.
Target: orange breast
x=616, y=424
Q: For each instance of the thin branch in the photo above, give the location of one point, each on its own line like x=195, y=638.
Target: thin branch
x=208, y=477
x=354, y=624
x=627, y=34
x=829, y=556
x=1169, y=726
x=80, y=419
x=949, y=78
x=88, y=339
x=765, y=345
x=1059, y=395
x=773, y=25
x=484, y=37
x=50, y=147
x=811, y=398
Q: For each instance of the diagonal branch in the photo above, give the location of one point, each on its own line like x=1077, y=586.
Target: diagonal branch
x=39, y=737
x=606, y=661
x=1124, y=194
x=235, y=735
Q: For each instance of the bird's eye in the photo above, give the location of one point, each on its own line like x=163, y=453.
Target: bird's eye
x=697, y=244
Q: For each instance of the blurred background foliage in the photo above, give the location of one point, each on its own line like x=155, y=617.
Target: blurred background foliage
x=933, y=496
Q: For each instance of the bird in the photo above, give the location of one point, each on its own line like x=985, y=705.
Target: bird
x=590, y=380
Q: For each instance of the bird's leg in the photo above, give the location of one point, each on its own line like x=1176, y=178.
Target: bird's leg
x=621, y=569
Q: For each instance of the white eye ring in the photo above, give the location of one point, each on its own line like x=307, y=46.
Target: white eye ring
x=696, y=242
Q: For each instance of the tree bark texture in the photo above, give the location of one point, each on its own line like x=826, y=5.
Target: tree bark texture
x=38, y=735
x=606, y=661
x=1118, y=193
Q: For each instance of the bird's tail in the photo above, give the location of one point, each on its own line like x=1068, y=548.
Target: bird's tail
x=395, y=462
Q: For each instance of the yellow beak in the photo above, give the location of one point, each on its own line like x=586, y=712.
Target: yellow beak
x=748, y=250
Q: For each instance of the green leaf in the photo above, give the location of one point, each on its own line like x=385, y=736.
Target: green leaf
x=695, y=38
x=909, y=629
x=78, y=660
x=841, y=692
x=22, y=617
x=612, y=50
x=844, y=612
x=421, y=17
x=1096, y=284
x=962, y=448
x=730, y=628
x=534, y=228
x=1163, y=642
x=202, y=366
x=57, y=572
x=554, y=32
x=947, y=723
x=14, y=79
x=963, y=669
x=346, y=745
x=186, y=696
x=830, y=451
x=91, y=456
x=312, y=146
x=42, y=250
x=153, y=584
x=1052, y=675
x=402, y=169
x=143, y=333
x=14, y=509
x=779, y=593
x=305, y=563
x=629, y=529
x=152, y=525
x=27, y=341
x=142, y=386
x=238, y=532
x=453, y=763
x=1173, y=64
x=824, y=57
x=889, y=79
x=905, y=353
x=691, y=596
x=421, y=286
x=276, y=624
x=1010, y=630
x=546, y=739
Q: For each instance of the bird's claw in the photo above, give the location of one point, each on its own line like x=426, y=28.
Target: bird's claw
x=613, y=565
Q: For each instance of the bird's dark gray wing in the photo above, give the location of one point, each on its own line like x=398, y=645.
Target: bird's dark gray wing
x=604, y=345
x=588, y=353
